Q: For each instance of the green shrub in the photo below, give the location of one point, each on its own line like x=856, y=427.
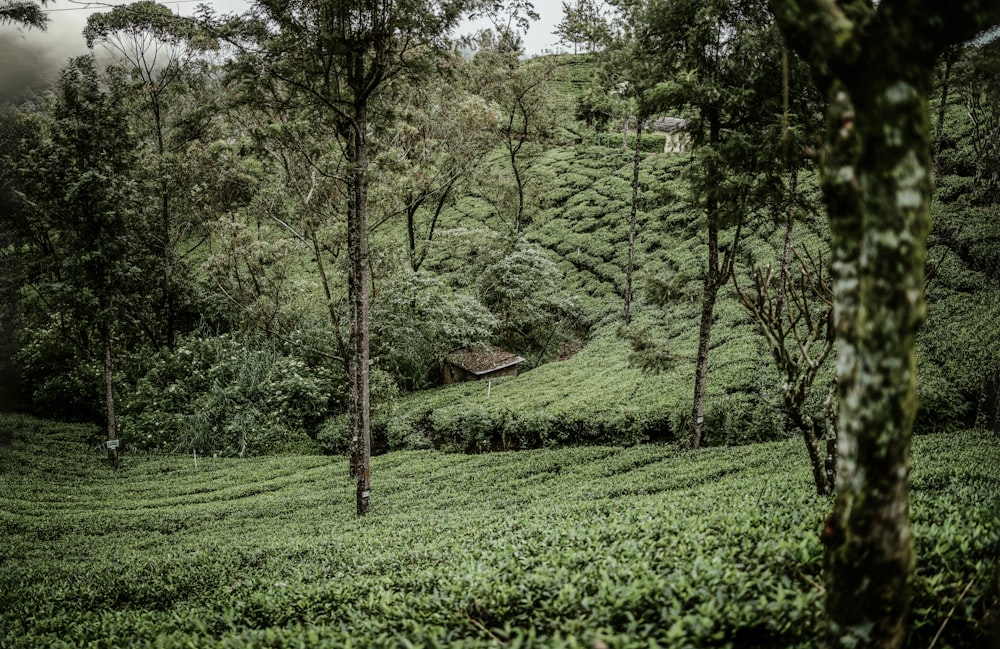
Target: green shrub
x=220, y=395
x=59, y=379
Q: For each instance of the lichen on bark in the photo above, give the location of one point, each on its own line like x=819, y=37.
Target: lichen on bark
x=875, y=64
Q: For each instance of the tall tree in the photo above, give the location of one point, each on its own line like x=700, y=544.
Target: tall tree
x=875, y=64
x=721, y=60
x=83, y=203
x=151, y=43
x=583, y=23
x=338, y=57
x=521, y=92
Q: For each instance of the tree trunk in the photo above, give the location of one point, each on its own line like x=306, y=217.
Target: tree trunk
x=411, y=233
x=169, y=307
x=109, y=397
x=807, y=427
x=714, y=279
x=519, y=181
x=950, y=56
x=630, y=264
x=328, y=294
x=875, y=63
x=786, y=255
x=168, y=285
x=358, y=275
x=711, y=291
x=878, y=198
x=989, y=403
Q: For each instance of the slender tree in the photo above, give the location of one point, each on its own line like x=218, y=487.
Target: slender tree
x=583, y=23
x=152, y=44
x=337, y=59
x=875, y=64
x=797, y=322
x=521, y=92
x=432, y=154
x=634, y=207
x=721, y=60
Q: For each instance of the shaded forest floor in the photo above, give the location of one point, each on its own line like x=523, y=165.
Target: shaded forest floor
x=573, y=547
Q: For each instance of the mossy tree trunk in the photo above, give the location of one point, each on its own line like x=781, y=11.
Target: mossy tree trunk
x=875, y=65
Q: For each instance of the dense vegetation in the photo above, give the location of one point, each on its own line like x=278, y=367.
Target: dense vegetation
x=262, y=234
x=570, y=547
x=228, y=322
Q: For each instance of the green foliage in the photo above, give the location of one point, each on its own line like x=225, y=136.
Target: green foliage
x=958, y=353
x=554, y=548
x=597, y=396
x=522, y=289
x=221, y=395
x=248, y=190
x=61, y=381
x=651, y=142
x=417, y=320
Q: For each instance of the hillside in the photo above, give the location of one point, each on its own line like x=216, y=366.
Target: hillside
x=576, y=547
x=607, y=393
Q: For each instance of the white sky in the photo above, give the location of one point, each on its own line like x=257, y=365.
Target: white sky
x=32, y=59
x=63, y=37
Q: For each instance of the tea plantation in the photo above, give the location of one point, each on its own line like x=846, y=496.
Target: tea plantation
x=572, y=547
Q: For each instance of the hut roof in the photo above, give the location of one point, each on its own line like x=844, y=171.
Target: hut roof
x=483, y=360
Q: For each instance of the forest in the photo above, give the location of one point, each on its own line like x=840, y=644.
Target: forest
x=731, y=242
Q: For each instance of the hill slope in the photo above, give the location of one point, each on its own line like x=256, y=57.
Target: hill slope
x=602, y=395
x=571, y=547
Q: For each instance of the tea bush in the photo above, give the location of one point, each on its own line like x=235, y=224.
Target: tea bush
x=629, y=547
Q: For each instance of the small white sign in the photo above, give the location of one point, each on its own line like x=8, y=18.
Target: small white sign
x=701, y=420
x=365, y=495
x=112, y=443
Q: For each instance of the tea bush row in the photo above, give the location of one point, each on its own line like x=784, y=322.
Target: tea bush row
x=634, y=547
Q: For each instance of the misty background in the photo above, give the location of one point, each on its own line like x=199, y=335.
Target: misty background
x=30, y=59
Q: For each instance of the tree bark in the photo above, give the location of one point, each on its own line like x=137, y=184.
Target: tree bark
x=878, y=198
x=109, y=396
x=716, y=276
x=708, y=298
x=786, y=255
x=817, y=453
x=328, y=294
x=989, y=403
x=950, y=56
x=630, y=264
x=169, y=307
x=359, y=422
x=875, y=63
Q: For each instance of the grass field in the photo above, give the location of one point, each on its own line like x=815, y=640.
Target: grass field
x=573, y=547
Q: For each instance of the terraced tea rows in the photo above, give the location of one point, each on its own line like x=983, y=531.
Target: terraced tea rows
x=630, y=547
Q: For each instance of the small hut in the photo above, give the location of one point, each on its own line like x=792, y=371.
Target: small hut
x=480, y=363
x=678, y=139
